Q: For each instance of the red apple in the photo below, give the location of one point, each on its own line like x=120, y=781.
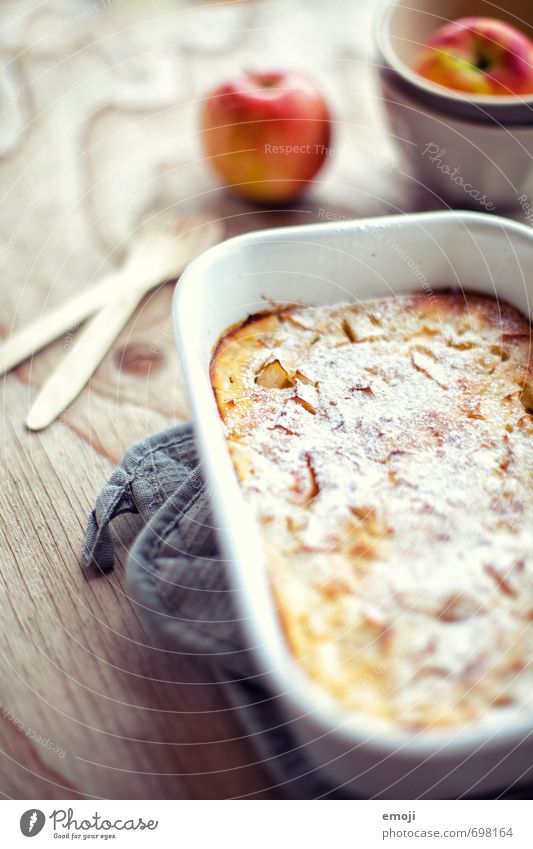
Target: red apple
x=267, y=134
x=479, y=56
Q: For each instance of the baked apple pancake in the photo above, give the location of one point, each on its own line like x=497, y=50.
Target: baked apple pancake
x=386, y=449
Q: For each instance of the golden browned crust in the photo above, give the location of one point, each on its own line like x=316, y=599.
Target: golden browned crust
x=386, y=449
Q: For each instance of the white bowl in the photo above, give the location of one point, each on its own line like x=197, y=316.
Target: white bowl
x=487, y=141
x=466, y=164
x=402, y=29
x=321, y=264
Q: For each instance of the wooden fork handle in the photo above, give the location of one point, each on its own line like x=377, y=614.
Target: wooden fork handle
x=85, y=355
x=46, y=329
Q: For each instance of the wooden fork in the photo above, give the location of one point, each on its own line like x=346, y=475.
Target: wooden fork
x=161, y=254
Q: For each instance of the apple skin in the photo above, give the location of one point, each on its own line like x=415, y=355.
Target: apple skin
x=479, y=56
x=266, y=134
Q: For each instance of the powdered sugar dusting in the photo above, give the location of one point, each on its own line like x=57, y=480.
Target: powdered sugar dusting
x=392, y=474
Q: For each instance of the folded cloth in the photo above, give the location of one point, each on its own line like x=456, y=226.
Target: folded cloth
x=174, y=564
x=176, y=574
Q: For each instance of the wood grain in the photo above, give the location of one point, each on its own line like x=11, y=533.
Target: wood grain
x=99, y=126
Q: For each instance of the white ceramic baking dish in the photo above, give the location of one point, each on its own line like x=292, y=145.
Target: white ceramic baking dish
x=327, y=263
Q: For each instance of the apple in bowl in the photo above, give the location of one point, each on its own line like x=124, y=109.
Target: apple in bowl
x=482, y=56
x=267, y=134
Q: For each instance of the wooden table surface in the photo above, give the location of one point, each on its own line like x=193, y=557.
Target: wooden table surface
x=99, y=105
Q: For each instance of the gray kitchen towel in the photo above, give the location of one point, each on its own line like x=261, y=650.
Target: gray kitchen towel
x=175, y=573
x=174, y=564
x=181, y=582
